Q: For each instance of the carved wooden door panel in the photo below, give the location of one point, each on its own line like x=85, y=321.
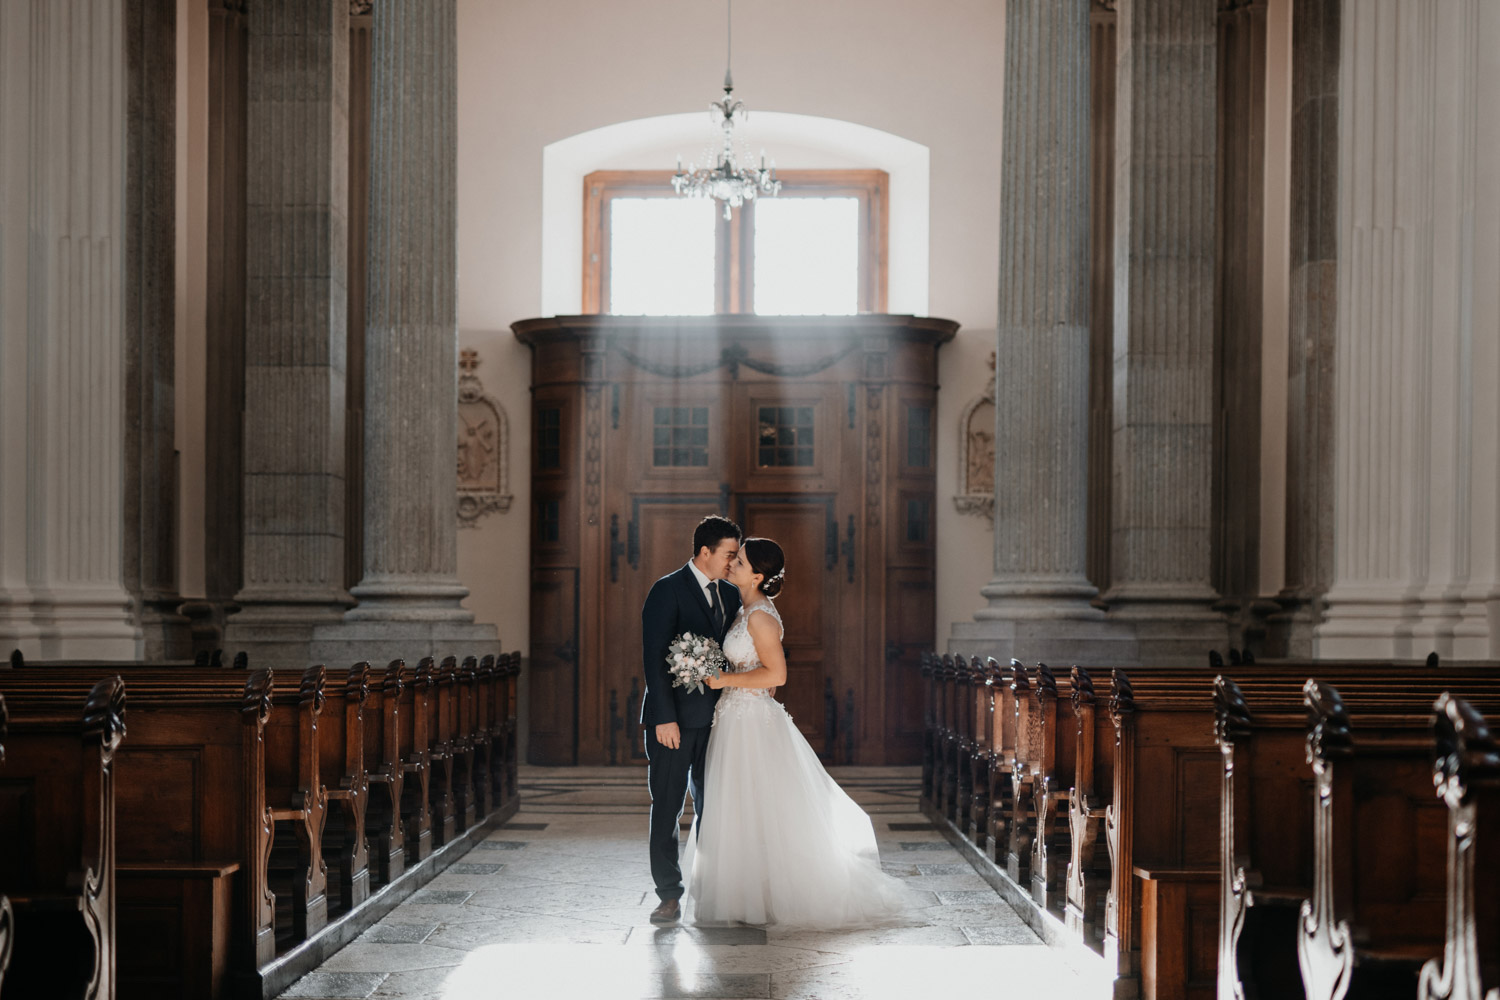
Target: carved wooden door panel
x=808, y=604
x=658, y=540
x=910, y=608
x=554, y=666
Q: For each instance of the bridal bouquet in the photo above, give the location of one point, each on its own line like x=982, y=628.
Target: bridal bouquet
x=691, y=659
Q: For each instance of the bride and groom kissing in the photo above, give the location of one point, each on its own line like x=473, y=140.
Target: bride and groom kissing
x=775, y=840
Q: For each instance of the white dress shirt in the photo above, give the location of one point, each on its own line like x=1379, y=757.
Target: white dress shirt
x=705, y=583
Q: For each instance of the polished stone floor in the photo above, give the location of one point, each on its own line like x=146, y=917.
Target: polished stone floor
x=555, y=905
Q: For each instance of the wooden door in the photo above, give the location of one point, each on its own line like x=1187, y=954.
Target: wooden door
x=554, y=667
x=809, y=601
x=659, y=540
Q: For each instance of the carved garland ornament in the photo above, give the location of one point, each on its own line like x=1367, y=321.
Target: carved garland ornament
x=483, y=447
x=976, y=455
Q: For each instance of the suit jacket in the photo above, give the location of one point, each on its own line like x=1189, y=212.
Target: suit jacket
x=675, y=605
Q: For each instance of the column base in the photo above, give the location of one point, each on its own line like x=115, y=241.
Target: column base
x=82, y=623
x=1051, y=640
x=1174, y=625
x=278, y=634
x=409, y=600
x=379, y=642
x=165, y=634
x=1371, y=624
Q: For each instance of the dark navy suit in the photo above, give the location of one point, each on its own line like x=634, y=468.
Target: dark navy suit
x=675, y=605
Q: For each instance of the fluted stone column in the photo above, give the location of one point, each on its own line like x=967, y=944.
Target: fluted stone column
x=296, y=261
x=1417, y=355
x=62, y=330
x=1312, y=324
x=1039, y=598
x=409, y=595
x=1164, y=329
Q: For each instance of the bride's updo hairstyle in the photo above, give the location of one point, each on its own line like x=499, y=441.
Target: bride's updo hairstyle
x=765, y=557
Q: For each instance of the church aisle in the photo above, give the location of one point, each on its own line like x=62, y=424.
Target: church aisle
x=555, y=904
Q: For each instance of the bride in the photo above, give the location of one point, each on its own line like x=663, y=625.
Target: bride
x=779, y=842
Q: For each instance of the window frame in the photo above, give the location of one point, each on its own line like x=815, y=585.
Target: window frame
x=734, y=239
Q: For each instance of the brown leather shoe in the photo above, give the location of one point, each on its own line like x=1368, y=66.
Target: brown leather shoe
x=667, y=912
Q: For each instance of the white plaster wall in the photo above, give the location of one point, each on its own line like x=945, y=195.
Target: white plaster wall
x=534, y=72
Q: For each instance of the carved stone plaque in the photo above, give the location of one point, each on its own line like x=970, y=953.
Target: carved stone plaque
x=976, y=455
x=483, y=447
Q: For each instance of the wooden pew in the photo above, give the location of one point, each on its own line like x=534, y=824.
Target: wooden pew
x=416, y=811
x=298, y=806
x=7, y=937
x=965, y=703
x=191, y=832
x=1377, y=911
x=945, y=779
x=1002, y=760
x=512, y=706
x=1267, y=865
x=1088, y=874
x=983, y=757
x=927, y=667
x=1466, y=772
x=343, y=771
x=385, y=771
x=57, y=812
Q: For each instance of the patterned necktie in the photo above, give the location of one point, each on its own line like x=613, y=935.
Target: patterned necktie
x=714, y=606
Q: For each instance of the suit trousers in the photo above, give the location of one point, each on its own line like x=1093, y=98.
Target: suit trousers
x=669, y=774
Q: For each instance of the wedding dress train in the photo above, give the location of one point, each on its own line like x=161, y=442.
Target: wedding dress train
x=778, y=841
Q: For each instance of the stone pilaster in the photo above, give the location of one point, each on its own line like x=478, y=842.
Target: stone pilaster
x=1414, y=514
x=1238, y=321
x=409, y=595
x=1103, y=24
x=1312, y=322
x=295, y=304
x=1039, y=598
x=1160, y=559
x=223, y=509
x=150, y=554
x=62, y=330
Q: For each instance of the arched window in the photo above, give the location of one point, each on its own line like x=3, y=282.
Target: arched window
x=818, y=248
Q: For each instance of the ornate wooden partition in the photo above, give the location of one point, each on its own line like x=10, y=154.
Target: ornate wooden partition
x=815, y=431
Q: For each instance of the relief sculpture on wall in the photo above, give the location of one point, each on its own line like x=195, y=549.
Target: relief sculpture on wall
x=976, y=454
x=483, y=447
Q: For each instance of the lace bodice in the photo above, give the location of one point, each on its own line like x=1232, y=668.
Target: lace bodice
x=739, y=648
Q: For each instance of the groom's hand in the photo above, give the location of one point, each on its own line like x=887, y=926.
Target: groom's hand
x=668, y=735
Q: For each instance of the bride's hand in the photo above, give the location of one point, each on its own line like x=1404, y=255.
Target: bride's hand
x=717, y=681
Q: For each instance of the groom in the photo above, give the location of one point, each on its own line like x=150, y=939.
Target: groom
x=692, y=599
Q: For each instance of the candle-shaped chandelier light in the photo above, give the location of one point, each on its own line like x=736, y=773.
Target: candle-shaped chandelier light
x=726, y=180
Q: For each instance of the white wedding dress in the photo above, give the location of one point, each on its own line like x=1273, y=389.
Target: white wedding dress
x=779, y=842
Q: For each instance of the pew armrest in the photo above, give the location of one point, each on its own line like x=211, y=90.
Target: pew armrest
x=1178, y=907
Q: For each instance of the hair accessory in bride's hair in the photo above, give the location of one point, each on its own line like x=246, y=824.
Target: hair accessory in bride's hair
x=779, y=574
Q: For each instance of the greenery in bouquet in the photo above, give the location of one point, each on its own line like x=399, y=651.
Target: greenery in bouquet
x=692, y=659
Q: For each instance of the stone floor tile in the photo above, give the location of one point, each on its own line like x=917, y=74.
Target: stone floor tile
x=1001, y=934
x=343, y=985
x=440, y=897
x=554, y=904
x=360, y=956
x=716, y=985
x=397, y=933
x=969, y=897
x=470, y=868
x=666, y=936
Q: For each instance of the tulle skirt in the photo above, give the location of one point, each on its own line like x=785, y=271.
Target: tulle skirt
x=778, y=841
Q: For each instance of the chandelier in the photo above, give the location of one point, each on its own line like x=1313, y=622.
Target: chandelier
x=726, y=179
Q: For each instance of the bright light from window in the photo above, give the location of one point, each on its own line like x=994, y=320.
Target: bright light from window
x=661, y=257
x=807, y=256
